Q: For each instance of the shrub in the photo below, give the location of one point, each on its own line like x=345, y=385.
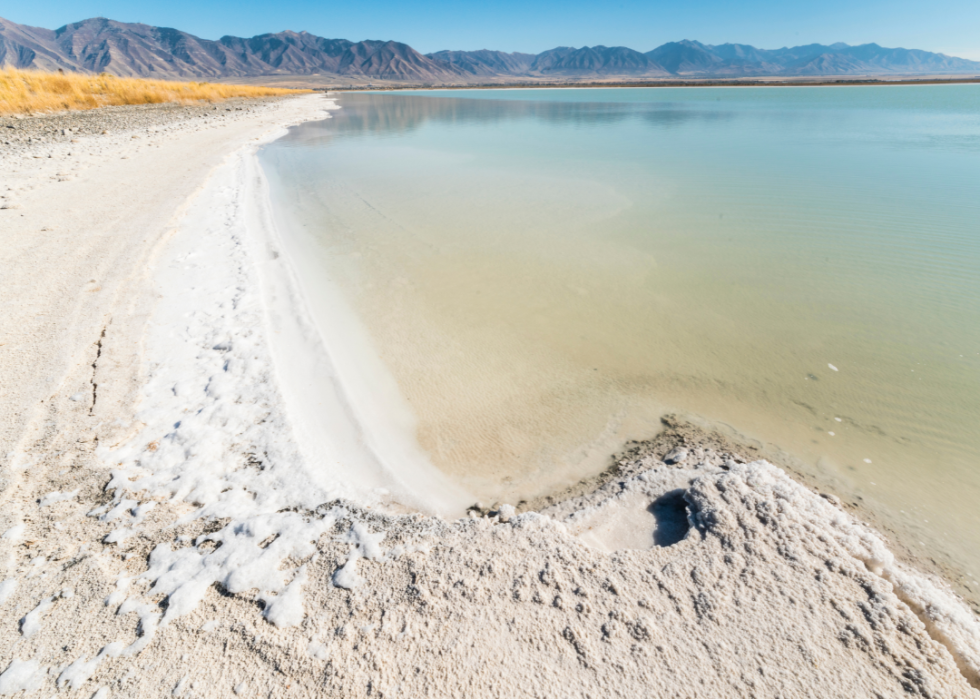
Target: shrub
x=31, y=91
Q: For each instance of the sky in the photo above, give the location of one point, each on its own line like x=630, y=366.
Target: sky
x=532, y=26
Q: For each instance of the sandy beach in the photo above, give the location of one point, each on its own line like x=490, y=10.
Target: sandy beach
x=173, y=524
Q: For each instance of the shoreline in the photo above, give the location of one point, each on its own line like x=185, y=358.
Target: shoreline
x=335, y=379
x=333, y=83
x=857, y=82
x=201, y=524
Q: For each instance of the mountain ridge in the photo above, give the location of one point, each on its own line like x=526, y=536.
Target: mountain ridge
x=141, y=50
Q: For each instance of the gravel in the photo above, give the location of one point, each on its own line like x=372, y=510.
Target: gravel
x=21, y=132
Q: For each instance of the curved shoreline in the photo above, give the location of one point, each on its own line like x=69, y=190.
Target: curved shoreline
x=344, y=404
x=198, y=525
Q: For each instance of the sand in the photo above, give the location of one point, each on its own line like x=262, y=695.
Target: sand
x=169, y=528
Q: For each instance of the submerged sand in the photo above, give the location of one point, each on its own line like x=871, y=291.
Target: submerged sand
x=168, y=529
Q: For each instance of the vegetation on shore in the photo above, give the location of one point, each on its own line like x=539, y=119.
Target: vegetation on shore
x=32, y=91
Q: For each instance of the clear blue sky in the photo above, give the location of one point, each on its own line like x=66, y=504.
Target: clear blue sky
x=949, y=26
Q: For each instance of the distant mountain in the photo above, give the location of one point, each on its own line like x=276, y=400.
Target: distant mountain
x=96, y=45
x=595, y=61
x=694, y=59
x=22, y=46
x=486, y=62
x=679, y=57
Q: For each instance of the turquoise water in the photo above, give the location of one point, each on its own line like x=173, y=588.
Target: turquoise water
x=546, y=272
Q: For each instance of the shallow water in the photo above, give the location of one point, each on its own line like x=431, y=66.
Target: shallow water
x=546, y=272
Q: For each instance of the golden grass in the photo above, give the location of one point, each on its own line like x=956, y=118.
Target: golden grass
x=32, y=91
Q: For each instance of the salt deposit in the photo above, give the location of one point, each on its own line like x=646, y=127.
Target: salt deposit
x=19, y=676
x=208, y=551
x=31, y=623
x=7, y=588
x=52, y=498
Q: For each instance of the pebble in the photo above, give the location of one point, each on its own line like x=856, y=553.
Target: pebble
x=833, y=499
x=24, y=133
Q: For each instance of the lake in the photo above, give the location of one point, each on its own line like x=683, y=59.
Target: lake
x=543, y=273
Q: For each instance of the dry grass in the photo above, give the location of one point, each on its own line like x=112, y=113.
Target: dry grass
x=31, y=91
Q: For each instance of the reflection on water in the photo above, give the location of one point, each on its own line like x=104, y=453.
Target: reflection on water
x=396, y=115
x=546, y=272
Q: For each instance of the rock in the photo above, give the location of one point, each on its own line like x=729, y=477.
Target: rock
x=833, y=499
x=676, y=455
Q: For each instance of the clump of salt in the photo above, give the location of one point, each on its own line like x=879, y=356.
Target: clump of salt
x=55, y=497
x=31, y=623
x=21, y=675
x=7, y=588
x=286, y=608
x=368, y=546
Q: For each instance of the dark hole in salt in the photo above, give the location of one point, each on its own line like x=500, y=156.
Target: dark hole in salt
x=670, y=511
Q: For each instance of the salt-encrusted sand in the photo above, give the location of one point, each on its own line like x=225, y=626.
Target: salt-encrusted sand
x=168, y=529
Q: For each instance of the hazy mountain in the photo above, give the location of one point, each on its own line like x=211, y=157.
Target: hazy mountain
x=686, y=57
x=739, y=52
x=827, y=64
x=595, y=61
x=96, y=45
x=906, y=60
x=486, y=62
x=546, y=60
x=694, y=59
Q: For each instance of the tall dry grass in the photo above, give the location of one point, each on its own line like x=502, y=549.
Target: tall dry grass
x=32, y=91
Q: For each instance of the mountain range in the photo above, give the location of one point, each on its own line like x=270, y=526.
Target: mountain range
x=97, y=45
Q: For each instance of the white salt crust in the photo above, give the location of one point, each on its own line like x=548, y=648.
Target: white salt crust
x=21, y=675
x=278, y=569
x=222, y=439
x=215, y=432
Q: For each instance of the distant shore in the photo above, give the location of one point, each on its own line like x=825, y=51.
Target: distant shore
x=332, y=83
x=665, y=83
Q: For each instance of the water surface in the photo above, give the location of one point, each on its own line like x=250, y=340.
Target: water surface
x=546, y=272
